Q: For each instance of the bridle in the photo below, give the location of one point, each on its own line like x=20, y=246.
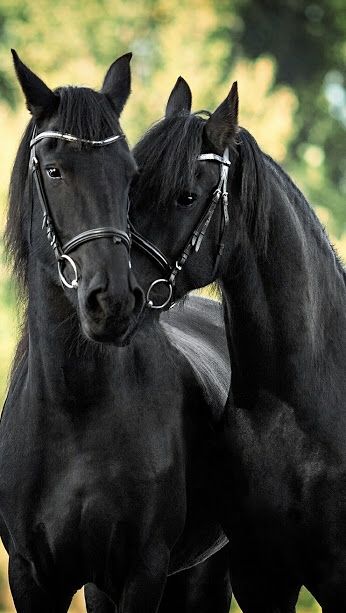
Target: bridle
x=194, y=242
x=62, y=252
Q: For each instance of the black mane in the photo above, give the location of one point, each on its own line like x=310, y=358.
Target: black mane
x=169, y=151
x=168, y=154
x=254, y=193
x=81, y=112
x=86, y=113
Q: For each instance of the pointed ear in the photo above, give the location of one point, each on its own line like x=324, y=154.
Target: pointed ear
x=222, y=126
x=117, y=83
x=40, y=100
x=180, y=98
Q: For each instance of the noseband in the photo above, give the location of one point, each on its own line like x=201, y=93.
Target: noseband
x=196, y=238
x=61, y=252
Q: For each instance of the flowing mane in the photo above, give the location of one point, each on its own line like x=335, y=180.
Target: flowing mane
x=83, y=113
x=168, y=152
x=167, y=158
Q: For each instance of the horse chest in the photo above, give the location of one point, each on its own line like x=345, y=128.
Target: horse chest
x=89, y=515
x=83, y=485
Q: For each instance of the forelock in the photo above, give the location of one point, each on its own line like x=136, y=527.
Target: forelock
x=167, y=158
x=86, y=113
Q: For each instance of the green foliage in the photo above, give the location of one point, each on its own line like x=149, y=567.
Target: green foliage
x=307, y=41
x=306, y=604
x=288, y=56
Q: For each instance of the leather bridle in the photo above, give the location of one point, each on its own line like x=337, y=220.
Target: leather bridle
x=62, y=252
x=194, y=242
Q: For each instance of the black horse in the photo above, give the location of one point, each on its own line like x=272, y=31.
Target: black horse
x=211, y=206
x=203, y=588
x=105, y=450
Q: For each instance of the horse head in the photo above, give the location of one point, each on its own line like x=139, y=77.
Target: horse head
x=78, y=168
x=179, y=200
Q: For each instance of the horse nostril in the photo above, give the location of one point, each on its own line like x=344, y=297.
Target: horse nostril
x=109, y=300
x=93, y=300
x=96, y=293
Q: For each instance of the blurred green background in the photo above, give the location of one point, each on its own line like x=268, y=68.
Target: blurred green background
x=289, y=58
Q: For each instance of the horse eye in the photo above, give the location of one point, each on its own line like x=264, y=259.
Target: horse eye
x=53, y=173
x=186, y=199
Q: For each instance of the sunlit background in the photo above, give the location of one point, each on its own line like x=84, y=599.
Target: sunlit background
x=289, y=57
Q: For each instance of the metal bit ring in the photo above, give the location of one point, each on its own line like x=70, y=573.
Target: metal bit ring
x=74, y=282
x=150, y=303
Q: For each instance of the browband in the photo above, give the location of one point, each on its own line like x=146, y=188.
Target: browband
x=74, y=139
x=213, y=156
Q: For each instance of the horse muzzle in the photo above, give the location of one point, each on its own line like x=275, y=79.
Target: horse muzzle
x=109, y=314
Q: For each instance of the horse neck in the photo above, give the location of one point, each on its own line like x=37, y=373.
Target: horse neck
x=62, y=365
x=286, y=310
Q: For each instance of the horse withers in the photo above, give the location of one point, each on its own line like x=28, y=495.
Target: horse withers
x=106, y=472
x=209, y=205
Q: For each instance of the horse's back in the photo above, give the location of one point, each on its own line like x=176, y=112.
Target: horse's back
x=196, y=329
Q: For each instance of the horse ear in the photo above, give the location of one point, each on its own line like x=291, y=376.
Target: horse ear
x=222, y=126
x=40, y=100
x=180, y=98
x=117, y=82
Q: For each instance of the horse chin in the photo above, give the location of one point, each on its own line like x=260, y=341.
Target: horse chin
x=112, y=332
x=111, y=335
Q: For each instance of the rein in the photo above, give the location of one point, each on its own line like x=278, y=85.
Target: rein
x=61, y=252
x=194, y=242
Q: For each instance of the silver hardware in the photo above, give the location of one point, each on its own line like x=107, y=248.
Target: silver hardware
x=197, y=235
x=217, y=158
x=150, y=303
x=61, y=252
x=74, y=282
x=74, y=139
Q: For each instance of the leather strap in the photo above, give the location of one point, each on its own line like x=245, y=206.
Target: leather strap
x=89, y=235
x=74, y=139
x=198, y=234
x=61, y=252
